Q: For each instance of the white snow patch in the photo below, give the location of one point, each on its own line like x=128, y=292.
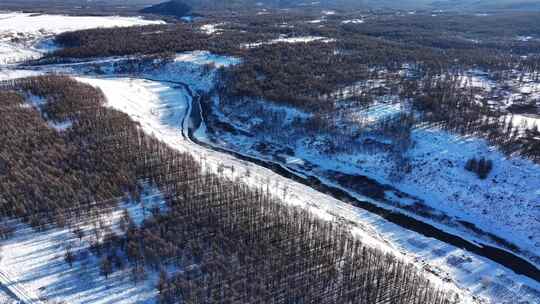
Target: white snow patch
x=283, y=39
x=353, y=21
x=524, y=38
x=38, y=103
x=211, y=28
x=205, y=57
x=524, y=121
x=8, y=74
x=20, y=33
x=34, y=261
x=476, y=81
x=55, y=24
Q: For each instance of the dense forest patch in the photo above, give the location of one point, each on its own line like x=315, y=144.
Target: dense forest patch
x=49, y=171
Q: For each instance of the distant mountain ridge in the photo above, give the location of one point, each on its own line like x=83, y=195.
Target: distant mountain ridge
x=180, y=8
x=489, y=4
x=175, y=8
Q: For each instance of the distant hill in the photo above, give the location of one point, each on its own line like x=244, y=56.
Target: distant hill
x=174, y=8
x=488, y=4
x=450, y=5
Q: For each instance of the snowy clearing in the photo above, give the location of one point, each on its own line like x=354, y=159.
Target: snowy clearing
x=283, y=39
x=20, y=33
x=205, y=57
x=7, y=74
x=54, y=24
x=353, y=21
x=524, y=38
x=34, y=262
x=212, y=28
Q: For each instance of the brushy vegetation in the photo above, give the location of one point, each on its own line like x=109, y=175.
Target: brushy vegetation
x=481, y=167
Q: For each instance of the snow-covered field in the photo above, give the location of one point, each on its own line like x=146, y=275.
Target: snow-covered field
x=7, y=74
x=5, y=298
x=34, y=262
x=211, y=28
x=283, y=39
x=21, y=33
x=353, y=21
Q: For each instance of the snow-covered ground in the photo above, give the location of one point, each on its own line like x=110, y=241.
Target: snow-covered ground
x=204, y=57
x=353, y=21
x=211, y=28
x=5, y=298
x=524, y=38
x=166, y=104
x=284, y=39
x=480, y=276
x=7, y=74
x=506, y=204
x=21, y=33
x=34, y=261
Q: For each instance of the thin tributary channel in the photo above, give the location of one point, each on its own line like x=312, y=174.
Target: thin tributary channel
x=503, y=257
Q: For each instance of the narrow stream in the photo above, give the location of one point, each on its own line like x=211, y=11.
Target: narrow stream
x=503, y=257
